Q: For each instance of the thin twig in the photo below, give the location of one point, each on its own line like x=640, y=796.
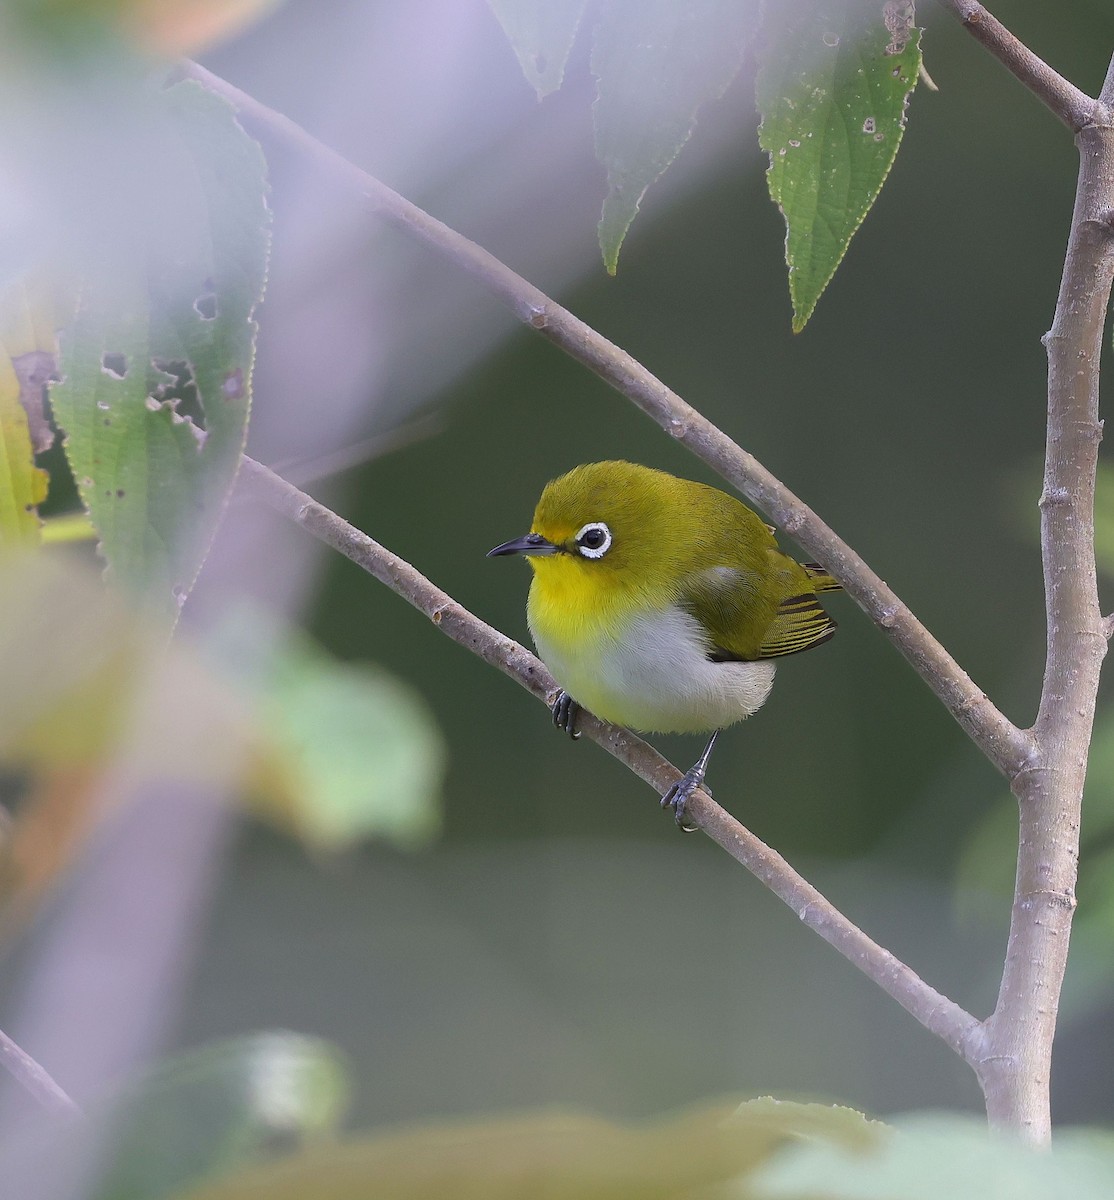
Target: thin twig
x=935, y=1012
x=36, y=1081
x=1008, y=747
x=1074, y=107
x=302, y=471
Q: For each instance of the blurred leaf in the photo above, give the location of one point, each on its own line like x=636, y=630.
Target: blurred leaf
x=23, y=486
x=930, y=1157
x=1089, y=984
x=86, y=678
x=985, y=877
x=559, y=1156
x=987, y=862
x=345, y=751
x=656, y=63
x=169, y=28
x=71, y=527
x=362, y=755
x=27, y=321
x=1104, y=518
x=832, y=89
x=541, y=32
x=155, y=454
x=222, y=1106
x=173, y=28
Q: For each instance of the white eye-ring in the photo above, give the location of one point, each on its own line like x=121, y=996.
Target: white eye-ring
x=594, y=540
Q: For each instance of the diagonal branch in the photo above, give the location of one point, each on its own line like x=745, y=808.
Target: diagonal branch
x=34, y=1078
x=938, y=1014
x=1008, y=747
x=1074, y=107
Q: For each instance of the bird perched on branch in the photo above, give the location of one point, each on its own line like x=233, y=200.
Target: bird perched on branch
x=660, y=603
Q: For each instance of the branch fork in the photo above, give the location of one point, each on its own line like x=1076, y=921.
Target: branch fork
x=1011, y=1050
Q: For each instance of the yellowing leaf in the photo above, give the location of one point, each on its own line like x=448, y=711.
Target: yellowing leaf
x=22, y=484
x=704, y=1154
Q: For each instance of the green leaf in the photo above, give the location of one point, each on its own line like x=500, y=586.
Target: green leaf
x=656, y=63
x=359, y=750
x=698, y=1155
x=344, y=750
x=832, y=89
x=541, y=33
x=154, y=451
x=929, y=1157
x=222, y=1106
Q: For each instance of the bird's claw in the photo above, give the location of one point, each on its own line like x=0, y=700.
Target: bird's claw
x=565, y=710
x=679, y=795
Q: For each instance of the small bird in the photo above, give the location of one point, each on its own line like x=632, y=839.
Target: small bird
x=660, y=603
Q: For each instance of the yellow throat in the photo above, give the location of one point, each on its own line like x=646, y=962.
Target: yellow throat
x=658, y=602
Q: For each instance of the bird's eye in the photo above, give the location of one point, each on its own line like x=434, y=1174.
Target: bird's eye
x=594, y=540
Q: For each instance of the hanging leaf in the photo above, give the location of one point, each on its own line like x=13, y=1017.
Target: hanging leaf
x=541, y=32
x=832, y=88
x=656, y=62
x=156, y=363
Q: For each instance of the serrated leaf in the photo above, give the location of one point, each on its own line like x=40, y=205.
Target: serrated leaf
x=541, y=33
x=832, y=89
x=154, y=481
x=705, y=1153
x=656, y=62
x=222, y=1106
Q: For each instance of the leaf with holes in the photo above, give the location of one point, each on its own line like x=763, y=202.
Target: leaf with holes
x=832, y=89
x=541, y=32
x=156, y=363
x=656, y=63
x=26, y=362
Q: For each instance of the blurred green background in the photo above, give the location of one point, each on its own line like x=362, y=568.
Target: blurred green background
x=560, y=942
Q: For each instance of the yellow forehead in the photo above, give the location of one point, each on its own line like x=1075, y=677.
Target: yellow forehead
x=612, y=492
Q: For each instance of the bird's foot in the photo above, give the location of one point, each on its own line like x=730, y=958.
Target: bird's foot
x=565, y=710
x=681, y=792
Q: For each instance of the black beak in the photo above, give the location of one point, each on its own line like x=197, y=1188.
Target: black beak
x=532, y=543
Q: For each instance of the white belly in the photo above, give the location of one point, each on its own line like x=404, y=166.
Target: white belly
x=655, y=675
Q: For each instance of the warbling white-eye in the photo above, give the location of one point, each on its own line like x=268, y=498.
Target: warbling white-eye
x=660, y=603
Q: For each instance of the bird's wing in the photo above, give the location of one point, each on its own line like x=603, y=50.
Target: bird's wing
x=742, y=625
x=800, y=623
